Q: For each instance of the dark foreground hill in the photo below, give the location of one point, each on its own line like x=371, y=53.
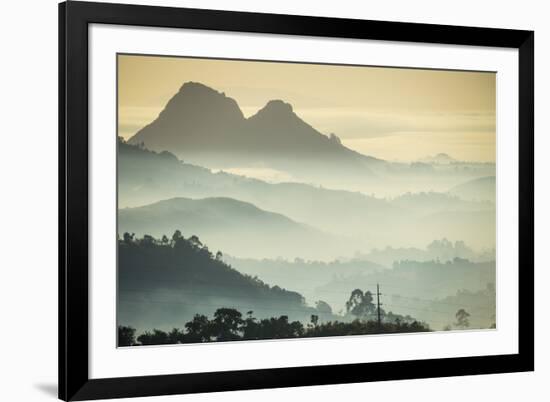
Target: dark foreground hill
x=164, y=283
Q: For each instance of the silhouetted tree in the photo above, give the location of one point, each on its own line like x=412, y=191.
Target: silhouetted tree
x=176, y=336
x=177, y=236
x=195, y=242
x=199, y=329
x=157, y=337
x=128, y=238
x=189, y=261
x=250, y=327
x=279, y=328
x=148, y=240
x=462, y=320
x=360, y=304
x=126, y=336
x=314, y=320
x=226, y=324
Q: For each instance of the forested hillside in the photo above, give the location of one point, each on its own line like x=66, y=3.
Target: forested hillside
x=165, y=281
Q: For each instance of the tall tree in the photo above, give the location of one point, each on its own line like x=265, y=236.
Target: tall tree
x=177, y=236
x=126, y=336
x=198, y=329
x=462, y=319
x=360, y=304
x=226, y=324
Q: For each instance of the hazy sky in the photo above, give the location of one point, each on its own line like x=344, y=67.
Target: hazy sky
x=391, y=113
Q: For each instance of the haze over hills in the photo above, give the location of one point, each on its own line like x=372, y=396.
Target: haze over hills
x=236, y=227
x=441, y=158
x=205, y=127
x=302, y=275
x=441, y=269
x=215, y=204
x=414, y=287
x=433, y=202
x=147, y=177
x=483, y=188
x=438, y=250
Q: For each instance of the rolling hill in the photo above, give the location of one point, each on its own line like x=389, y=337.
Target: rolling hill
x=483, y=188
x=164, y=284
x=146, y=177
x=239, y=228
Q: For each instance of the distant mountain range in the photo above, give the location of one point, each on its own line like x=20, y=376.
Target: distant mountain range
x=358, y=221
x=440, y=158
x=146, y=177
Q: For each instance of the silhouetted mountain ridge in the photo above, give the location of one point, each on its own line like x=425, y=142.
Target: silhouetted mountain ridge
x=207, y=127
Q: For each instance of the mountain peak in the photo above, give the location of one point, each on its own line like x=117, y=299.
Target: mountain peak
x=207, y=127
x=440, y=158
x=194, y=98
x=192, y=86
x=277, y=106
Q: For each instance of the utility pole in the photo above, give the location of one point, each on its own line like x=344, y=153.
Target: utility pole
x=378, y=306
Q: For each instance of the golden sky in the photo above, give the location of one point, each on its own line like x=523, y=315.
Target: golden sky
x=391, y=113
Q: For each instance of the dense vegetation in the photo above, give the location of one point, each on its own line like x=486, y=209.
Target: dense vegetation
x=168, y=280
x=229, y=324
x=205, y=285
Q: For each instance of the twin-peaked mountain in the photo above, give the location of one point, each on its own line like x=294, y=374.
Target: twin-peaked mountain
x=205, y=127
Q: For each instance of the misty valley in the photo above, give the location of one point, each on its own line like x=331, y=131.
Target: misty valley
x=262, y=227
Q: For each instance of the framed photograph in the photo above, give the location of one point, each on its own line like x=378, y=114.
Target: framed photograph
x=257, y=201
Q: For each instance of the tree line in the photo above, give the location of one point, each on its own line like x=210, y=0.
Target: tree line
x=228, y=324
x=185, y=262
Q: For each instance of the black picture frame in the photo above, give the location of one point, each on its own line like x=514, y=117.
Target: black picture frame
x=74, y=18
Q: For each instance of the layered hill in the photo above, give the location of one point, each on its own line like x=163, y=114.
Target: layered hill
x=239, y=228
x=423, y=288
x=483, y=188
x=146, y=177
x=163, y=284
